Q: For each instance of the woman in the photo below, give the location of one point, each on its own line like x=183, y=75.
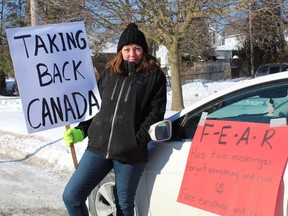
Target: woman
x=133, y=92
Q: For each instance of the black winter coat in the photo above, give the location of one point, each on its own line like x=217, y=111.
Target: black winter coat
x=130, y=104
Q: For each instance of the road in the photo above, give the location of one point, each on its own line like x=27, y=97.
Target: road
x=29, y=186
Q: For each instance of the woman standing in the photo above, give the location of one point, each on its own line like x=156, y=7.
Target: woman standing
x=133, y=92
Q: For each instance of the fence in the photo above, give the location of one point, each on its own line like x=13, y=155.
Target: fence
x=206, y=70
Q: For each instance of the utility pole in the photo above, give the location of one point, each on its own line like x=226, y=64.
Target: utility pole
x=33, y=12
x=251, y=42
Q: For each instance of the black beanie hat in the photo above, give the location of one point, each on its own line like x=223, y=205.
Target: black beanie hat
x=132, y=35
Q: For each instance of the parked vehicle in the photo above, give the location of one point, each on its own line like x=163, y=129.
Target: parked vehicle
x=270, y=69
x=161, y=181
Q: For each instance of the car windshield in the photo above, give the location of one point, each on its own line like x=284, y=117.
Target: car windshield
x=253, y=107
x=254, y=104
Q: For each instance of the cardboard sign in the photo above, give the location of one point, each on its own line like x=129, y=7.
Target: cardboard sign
x=235, y=168
x=54, y=73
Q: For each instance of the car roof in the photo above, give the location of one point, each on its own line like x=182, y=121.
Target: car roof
x=273, y=64
x=236, y=87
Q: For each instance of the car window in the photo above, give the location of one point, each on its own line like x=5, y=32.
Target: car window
x=255, y=104
x=274, y=69
x=263, y=69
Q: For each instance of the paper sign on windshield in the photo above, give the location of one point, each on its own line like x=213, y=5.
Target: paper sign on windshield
x=54, y=73
x=235, y=168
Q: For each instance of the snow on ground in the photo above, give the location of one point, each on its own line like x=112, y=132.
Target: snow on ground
x=49, y=144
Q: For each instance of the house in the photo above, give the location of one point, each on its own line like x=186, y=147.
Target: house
x=227, y=41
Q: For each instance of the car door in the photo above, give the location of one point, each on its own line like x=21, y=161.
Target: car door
x=160, y=184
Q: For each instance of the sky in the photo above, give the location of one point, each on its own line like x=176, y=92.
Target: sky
x=49, y=144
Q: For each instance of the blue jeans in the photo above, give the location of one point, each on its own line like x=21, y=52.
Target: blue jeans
x=91, y=170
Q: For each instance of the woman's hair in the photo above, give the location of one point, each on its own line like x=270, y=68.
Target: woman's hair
x=148, y=64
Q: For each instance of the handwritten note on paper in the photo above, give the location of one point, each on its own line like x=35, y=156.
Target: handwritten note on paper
x=235, y=168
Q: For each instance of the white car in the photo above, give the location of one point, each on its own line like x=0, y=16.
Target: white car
x=250, y=101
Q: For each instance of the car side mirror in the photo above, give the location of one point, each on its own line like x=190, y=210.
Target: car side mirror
x=161, y=131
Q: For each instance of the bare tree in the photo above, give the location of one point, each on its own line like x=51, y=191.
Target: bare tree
x=11, y=15
x=56, y=11
x=174, y=24
x=163, y=21
x=262, y=25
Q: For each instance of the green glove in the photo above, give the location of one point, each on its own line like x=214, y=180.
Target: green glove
x=73, y=135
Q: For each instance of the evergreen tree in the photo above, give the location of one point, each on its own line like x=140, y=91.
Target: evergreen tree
x=12, y=15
